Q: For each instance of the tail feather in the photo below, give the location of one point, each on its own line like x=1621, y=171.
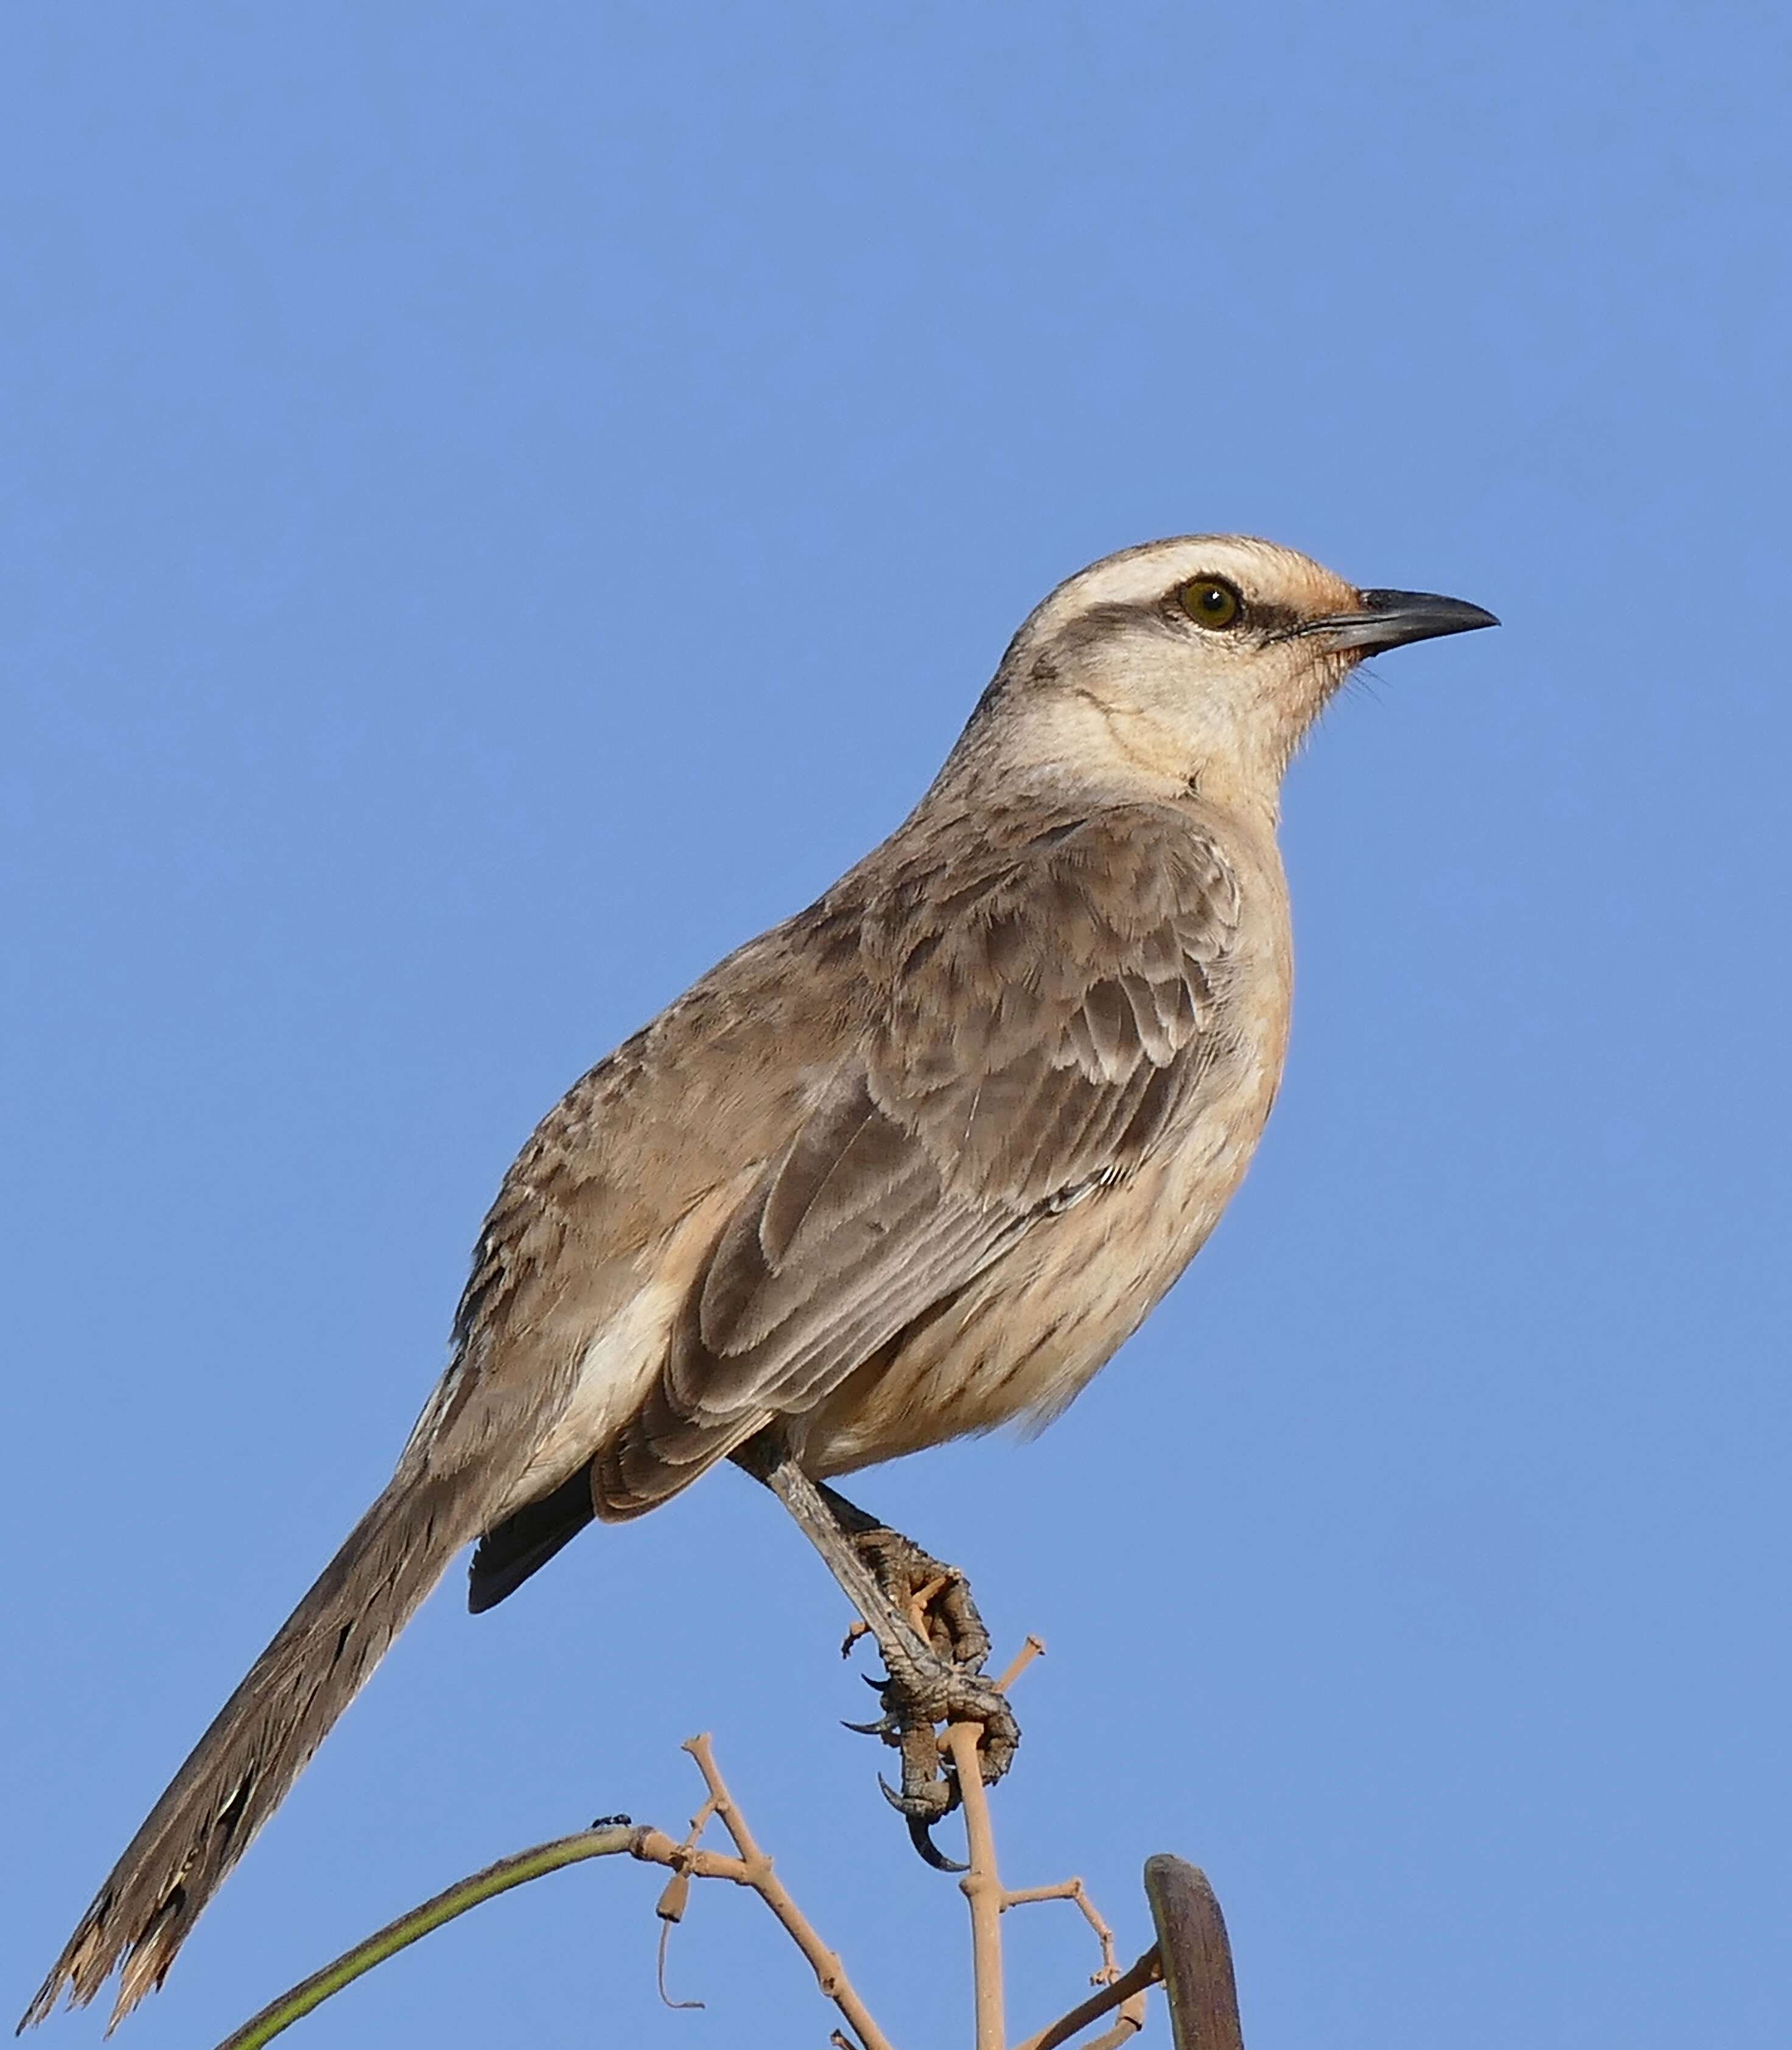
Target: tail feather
x=527, y=1539
x=241, y=1769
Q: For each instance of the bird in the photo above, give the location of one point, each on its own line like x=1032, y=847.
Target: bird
x=910, y=1166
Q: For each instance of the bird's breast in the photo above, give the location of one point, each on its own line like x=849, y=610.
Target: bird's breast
x=1028, y=1335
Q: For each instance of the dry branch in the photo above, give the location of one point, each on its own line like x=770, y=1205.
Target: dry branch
x=1191, y=1956
x=1128, y=1989
x=757, y=1874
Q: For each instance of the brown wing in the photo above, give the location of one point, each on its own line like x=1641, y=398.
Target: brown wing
x=1043, y=1001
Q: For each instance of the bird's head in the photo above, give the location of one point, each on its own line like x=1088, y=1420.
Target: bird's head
x=1198, y=662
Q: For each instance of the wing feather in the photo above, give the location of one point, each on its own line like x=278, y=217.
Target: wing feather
x=1043, y=1001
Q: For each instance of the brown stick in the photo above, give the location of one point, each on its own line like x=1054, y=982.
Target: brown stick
x=1129, y=1986
x=982, y=1887
x=1073, y=1889
x=1128, y=2023
x=1033, y=1648
x=754, y=1869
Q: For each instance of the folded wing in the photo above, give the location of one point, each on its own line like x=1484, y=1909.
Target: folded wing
x=1045, y=1000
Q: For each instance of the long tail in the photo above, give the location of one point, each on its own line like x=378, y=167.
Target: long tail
x=241, y=1768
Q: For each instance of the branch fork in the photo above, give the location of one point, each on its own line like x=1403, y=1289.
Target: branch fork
x=1191, y=1958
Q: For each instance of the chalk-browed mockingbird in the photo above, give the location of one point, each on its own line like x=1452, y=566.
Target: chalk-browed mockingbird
x=910, y=1165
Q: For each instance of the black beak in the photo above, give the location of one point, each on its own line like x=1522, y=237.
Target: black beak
x=1391, y=618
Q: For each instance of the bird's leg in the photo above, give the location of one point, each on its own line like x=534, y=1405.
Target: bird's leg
x=946, y=1614
x=933, y=1672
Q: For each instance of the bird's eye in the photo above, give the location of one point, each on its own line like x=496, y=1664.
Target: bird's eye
x=1209, y=602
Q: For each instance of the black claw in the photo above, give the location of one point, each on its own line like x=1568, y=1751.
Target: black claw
x=919, y=1829
x=900, y=1803
x=875, y=1681
x=930, y=1852
x=882, y=1728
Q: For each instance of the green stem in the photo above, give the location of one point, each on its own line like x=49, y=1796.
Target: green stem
x=456, y=1900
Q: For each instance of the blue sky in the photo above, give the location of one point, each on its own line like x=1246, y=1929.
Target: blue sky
x=499, y=504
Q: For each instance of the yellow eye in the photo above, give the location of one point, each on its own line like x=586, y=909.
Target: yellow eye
x=1209, y=602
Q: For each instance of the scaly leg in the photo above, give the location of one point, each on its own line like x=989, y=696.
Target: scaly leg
x=931, y=1677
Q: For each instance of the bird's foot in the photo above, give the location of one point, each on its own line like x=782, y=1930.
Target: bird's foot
x=938, y=1679
x=935, y=1597
x=916, y=1700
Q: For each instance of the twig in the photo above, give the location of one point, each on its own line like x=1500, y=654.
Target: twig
x=1128, y=2022
x=989, y=1900
x=292, y=2006
x=1072, y=1889
x=752, y=1868
x=982, y=1887
x=922, y=1597
x=1033, y=1648
x=1130, y=1986
x=1192, y=1956
x=675, y=1897
x=755, y=1871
